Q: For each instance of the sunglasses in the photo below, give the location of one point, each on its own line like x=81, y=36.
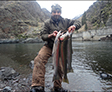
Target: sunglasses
x=56, y=11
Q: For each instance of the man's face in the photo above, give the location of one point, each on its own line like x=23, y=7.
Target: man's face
x=56, y=14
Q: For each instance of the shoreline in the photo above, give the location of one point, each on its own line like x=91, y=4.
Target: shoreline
x=34, y=40
x=28, y=40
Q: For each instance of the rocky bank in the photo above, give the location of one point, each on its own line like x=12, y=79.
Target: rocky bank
x=102, y=34
x=28, y=40
x=13, y=81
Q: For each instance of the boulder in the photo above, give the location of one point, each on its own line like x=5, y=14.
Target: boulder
x=7, y=89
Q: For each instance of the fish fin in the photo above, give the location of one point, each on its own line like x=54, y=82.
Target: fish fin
x=70, y=70
x=66, y=80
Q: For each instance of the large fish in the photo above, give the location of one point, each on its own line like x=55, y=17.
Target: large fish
x=69, y=54
x=66, y=54
x=64, y=41
x=55, y=54
x=60, y=50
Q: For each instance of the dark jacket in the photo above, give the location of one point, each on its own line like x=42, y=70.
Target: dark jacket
x=50, y=26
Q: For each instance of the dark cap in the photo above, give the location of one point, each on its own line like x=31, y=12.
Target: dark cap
x=56, y=7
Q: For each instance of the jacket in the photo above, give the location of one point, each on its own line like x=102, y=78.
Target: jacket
x=50, y=26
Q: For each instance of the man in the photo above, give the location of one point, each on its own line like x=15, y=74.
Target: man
x=51, y=27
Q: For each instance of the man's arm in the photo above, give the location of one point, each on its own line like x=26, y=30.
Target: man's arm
x=45, y=32
x=73, y=24
x=77, y=24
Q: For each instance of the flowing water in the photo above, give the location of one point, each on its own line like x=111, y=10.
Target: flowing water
x=88, y=60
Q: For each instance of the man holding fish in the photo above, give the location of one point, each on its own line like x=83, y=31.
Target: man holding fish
x=50, y=31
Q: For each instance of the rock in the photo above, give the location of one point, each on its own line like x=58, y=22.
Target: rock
x=19, y=84
x=104, y=75
x=2, y=85
x=109, y=21
x=7, y=73
x=7, y=89
x=86, y=35
x=31, y=64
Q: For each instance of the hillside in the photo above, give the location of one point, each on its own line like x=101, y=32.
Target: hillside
x=24, y=19
x=98, y=15
x=21, y=18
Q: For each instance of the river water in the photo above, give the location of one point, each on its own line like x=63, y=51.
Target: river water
x=89, y=59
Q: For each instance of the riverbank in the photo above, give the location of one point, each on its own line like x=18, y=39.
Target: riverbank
x=28, y=40
x=12, y=81
x=101, y=34
x=37, y=40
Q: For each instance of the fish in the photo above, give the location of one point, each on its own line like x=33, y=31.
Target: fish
x=64, y=41
x=68, y=36
x=66, y=53
x=55, y=56
x=60, y=53
x=69, y=54
x=64, y=36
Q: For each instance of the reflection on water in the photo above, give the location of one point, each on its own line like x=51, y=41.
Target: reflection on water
x=18, y=56
x=98, y=55
x=89, y=58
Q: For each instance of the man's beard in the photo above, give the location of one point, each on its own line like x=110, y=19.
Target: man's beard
x=56, y=18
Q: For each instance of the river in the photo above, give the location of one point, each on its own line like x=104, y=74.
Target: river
x=89, y=59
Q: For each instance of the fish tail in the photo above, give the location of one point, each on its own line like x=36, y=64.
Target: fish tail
x=66, y=80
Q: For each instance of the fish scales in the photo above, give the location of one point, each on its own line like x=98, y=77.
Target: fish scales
x=55, y=54
x=69, y=54
x=64, y=59
x=64, y=41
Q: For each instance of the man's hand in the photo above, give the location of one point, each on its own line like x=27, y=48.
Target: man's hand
x=71, y=28
x=53, y=34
